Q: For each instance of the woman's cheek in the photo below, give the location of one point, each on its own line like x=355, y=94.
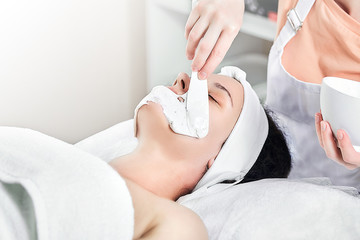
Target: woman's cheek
x=219, y=123
x=216, y=127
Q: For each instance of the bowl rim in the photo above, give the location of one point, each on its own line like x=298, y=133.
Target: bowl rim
x=325, y=82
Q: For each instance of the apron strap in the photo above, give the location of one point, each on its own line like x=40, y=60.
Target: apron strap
x=295, y=19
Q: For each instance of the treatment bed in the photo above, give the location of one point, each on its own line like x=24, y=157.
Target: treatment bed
x=53, y=190
x=266, y=209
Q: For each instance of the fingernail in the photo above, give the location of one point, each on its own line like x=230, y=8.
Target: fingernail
x=340, y=135
x=317, y=119
x=202, y=75
x=323, y=126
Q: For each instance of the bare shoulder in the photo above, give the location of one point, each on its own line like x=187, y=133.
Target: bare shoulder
x=283, y=7
x=159, y=218
x=178, y=222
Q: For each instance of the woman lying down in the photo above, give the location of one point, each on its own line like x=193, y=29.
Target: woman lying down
x=243, y=144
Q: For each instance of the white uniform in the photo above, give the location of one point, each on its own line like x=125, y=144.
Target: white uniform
x=296, y=103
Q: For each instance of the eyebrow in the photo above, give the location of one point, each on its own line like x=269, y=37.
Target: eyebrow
x=218, y=85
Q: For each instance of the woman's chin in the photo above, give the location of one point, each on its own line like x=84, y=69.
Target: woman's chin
x=151, y=116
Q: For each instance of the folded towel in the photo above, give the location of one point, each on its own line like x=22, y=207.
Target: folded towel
x=54, y=190
x=115, y=141
x=17, y=216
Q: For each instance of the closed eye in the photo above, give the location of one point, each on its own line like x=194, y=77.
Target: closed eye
x=211, y=97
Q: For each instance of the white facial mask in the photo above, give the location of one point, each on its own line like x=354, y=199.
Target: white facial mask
x=175, y=110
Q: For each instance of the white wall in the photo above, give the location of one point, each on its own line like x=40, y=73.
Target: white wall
x=70, y=68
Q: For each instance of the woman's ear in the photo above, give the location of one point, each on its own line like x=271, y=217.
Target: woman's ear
x=210, y=163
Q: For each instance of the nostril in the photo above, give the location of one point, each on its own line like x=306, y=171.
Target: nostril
x=183, y=83
x=181, y=99
x=175, y=83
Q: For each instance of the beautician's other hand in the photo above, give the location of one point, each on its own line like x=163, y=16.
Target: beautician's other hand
x=345, y=154
x=210, y=29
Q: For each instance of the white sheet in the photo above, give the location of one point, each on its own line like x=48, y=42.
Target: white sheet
x=280, y=209
x=52, y=190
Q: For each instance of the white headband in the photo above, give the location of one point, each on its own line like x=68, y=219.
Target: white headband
x=246, y=140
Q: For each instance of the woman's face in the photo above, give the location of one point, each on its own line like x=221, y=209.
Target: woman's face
x=226, y=98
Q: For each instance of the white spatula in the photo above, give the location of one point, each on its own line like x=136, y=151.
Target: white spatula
x=198, y=106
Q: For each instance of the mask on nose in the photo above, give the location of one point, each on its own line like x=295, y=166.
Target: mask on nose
x=175, y=110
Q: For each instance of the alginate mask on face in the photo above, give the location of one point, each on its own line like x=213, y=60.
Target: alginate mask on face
x=175, y=110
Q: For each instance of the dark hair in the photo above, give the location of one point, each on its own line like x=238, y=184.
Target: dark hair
x=274, y=160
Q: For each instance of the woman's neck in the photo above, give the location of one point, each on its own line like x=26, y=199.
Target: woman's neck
x=155, y=171
x=351, y=7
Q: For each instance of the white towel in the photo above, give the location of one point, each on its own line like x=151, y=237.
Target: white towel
x=280, y=209
x=115, y=141
x=69, y=193
x=244, y=144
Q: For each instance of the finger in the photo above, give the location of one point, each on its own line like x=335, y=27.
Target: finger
x=196, y=33
x=218, y=53
x=330, y=147
x=350, y=156
x=192, y=19
x=331, y=150
x=318, y=119
x=206, y=46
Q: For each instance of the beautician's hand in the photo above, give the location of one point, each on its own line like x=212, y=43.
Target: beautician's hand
x=345, y=154
x=210, y=30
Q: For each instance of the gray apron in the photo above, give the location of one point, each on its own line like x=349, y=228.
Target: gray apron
x=295, y=102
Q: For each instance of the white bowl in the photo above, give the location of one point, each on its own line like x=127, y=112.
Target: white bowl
x=340, y=106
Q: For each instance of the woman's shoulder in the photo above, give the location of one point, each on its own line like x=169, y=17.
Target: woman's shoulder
x=283, y=8
x=178, y=222
x=159, y=218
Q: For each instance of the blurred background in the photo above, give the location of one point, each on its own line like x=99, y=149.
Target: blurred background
x=72, y=68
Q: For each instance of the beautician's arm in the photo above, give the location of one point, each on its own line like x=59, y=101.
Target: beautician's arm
x=210, y=29
x=345, y=154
